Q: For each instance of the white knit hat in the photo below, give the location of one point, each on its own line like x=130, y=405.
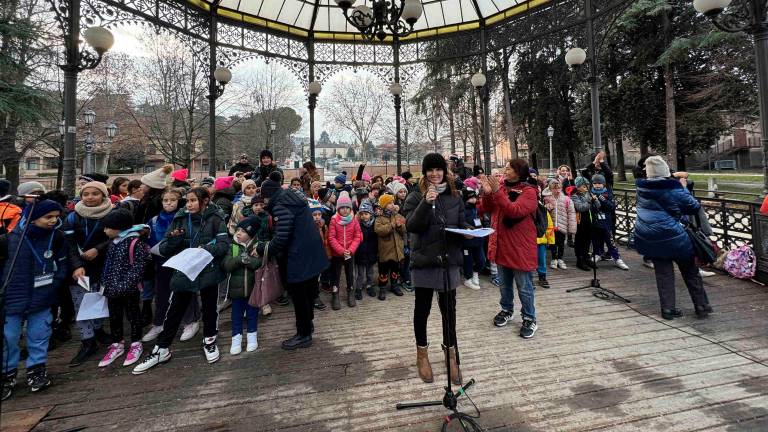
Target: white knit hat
x=29, y=187
x=395, y=187
x=656, y=166
x=157, y=179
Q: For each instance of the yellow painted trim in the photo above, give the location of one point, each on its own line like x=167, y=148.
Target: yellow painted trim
x=230, y=14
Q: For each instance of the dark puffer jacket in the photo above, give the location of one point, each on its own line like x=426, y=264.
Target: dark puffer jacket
x=661, y=203
x=21, y=295
x=426, y=228
x=295, y=242
x=368, y=251
x=224, y=198
x=207, y=230
x=83, y=234
x=240, y=275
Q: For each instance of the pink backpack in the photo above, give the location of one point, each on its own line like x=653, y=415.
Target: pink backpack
x=741, y=262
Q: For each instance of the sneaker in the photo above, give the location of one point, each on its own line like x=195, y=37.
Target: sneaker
x=115, y=351
x=210, y=349
x=561, y=264
x=469, y=283
x=319, y=305
x=253, y=342
x=237, y=345
x=283, y=300
x=37, y=379
x=596, y=259
x=648, y=264
x=620, y=264
x=266, y=311
x=553, y=264
x=502, y=318
x=496, y=280
x=134, y=354
x=704, y=273
x=296, y=342
x=156, y=357
x=9, y=382
x=543, y=282
x=408, y=286
x=190, y=330
x=528, y=328
x=152, y=334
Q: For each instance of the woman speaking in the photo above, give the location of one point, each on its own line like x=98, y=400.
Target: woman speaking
x=436, y=257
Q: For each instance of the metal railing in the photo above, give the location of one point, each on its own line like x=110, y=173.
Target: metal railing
x=731, y=220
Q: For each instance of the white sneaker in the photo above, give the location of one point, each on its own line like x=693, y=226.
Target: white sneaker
x=476, y=279
x=211, y=350
x=190, y=330
x=469, y=284
x=704, y=273
x=596, y=259
x=266, y=311
x=237, y=345
x=554, y=264
x=253, y=342
x=157, y=356
x=152, y=334
x=620, y=264
x=561, y=264
x=648, y=264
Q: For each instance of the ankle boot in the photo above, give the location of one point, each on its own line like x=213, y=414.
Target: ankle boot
x=351, y=298
x=670, y=314
x=359, y=294
x=455, y=371
x=88, y=348
x=335, y=302
x=422, y=364
x=703, y=311
x=382, y=292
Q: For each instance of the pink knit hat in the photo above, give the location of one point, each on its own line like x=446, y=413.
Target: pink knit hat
x=473, y=183
x=180, y=175
x=344, y=200
x=366, y=177
x=223, y=182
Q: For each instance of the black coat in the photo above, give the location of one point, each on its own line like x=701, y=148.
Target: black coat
x=425, y=224
x=368, y=251
x=223, y=198
x=84, y=234
x=261, y=173
x=241, y=167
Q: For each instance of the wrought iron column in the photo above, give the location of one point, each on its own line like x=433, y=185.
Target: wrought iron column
x=396, y=59
x=761, y=53
x=597, y=141
x=212, y=88
x=485, y=96
x=70, y=69
x=312, y=98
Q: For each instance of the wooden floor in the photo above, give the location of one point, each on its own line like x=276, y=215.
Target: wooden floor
x=593, y=365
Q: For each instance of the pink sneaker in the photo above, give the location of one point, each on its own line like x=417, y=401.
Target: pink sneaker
x=133, y=354
x=115, y=351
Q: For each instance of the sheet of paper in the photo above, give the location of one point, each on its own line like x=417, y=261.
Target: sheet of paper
x=190, y=261
x=85, y=282
x=482, y=232
x=155, y=250
x=93, y=306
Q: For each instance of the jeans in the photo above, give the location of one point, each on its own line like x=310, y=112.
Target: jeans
x=349, y=272
x=602, y=237
x=125, y=305
x=541, y=254
x=421, y=311
x=304, y=294
x=86, y=327
x=38, y=335
x=474, y=260
x=180, y=301
x=510, y=278
x=665, y=282
x=363, y=275
x=558, y=249
x=241, y=307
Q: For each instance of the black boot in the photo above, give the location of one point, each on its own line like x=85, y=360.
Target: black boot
x=703, y=311
x=297, y=342
x=37, y=378
x=581, y=264
x=359, y=294
x=371, y=291
x=102, y=337
x=335, y=302
x=319, y=305
x=146, y=313
x=670, y=314
x=396, y=290
x=351, y=298
x=61, y=332
x=88, y=348
x=382, y=292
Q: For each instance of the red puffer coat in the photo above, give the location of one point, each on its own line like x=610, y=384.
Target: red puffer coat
x=344, y=237
x=513, y=245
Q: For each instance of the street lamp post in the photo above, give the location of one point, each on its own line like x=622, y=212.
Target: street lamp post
x=396, y=90
x=550, y=134
x=478, y=81
x=314, y=89
x=90, y=117
x=751, y=17
x=218, y=79
x=272, y=127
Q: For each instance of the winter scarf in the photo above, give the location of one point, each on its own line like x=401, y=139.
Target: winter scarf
x=369, y=223
x=97, y=212
x=599, y=191
x=345, y=220
x=441, y=187
x=162, y=223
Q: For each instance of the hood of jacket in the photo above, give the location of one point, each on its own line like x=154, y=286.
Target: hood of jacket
x=290, y=198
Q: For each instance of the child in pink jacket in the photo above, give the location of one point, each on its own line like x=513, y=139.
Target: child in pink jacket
x=563, y=215
x=344, y=236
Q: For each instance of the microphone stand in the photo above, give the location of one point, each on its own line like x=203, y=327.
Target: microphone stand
x=450, y=398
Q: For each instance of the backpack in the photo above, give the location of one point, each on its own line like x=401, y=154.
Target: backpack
x=741, y=262
x=540, y=218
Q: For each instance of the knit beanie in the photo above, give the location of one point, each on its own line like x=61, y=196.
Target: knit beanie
x=268, y=188
x=180, y=175
x=28, y=188
x=222, y=183
x=406, y=175
x=533, y=171
x=97, y=185
x=207, y=181
x=432, y=161
x=257, y=199
x=341, y=178
x=472, y=182
x=366, y=177
x=119, y=219
x=581, y=181
x=157, y=178
x=99, y=177
x=343, y=201
x=477, y=170
x=5, y=187
x=554, y=181
x=366, y=207
x=598, y=178
x=265, y=153
x=395, y=187
x=314, y=205
x=386, y=199
x=44, y=207
x=276, y=176
x=247, y=183
x=656, y=166
x=250, y=225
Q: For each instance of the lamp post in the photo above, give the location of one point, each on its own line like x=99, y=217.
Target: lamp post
x=314, y=88
x=89, y=117
x=77, y=60
x=382, y=16
x=478, y=81
x=550, y=134
x=218, y=79
x=751, y=17
x=396, y=90
x=272, y=127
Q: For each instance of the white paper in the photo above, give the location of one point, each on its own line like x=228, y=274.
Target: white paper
x=155, y=250
x=190, y=261
x=93, y=306
x=84, y=282
x=482, y=232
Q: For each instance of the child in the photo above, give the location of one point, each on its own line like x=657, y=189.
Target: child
x=241, y=209
x=263, y=235
x=400, y=191
x=296, y=184
x=127, y=258
x=367, y=253
x=602, y=223
x=390, y=227
x=474, y=257
x=543, y=242
x=202, y=225
x=563, y=214
x=241, y=270
x=344, y=236
x=41, y=266
x=582, y=203
x=317, y=210
x=132, y=201
x=87, y=248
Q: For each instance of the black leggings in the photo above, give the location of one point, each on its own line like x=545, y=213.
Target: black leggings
x=389, y=271
x=128, y=305
x=349, y=271
x=421, y=314
x=558, y=249
x=180, y=301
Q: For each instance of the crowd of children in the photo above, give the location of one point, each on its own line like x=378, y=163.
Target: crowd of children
x=113, y=243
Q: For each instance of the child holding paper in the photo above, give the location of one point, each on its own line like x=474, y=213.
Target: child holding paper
x=40, y=268
x=202, y=225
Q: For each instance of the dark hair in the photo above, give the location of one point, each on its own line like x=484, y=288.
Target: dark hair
x=295, y=179
x=56, y=196
x=449, y=179
x=377, y=179
x=201, y=193
x=638, y=171
x=521, y=168
x=116, y=183
x=237, y=184
x=132, y=186
x=310, y=166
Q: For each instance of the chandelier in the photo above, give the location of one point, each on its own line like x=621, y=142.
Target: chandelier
x=397, y=17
